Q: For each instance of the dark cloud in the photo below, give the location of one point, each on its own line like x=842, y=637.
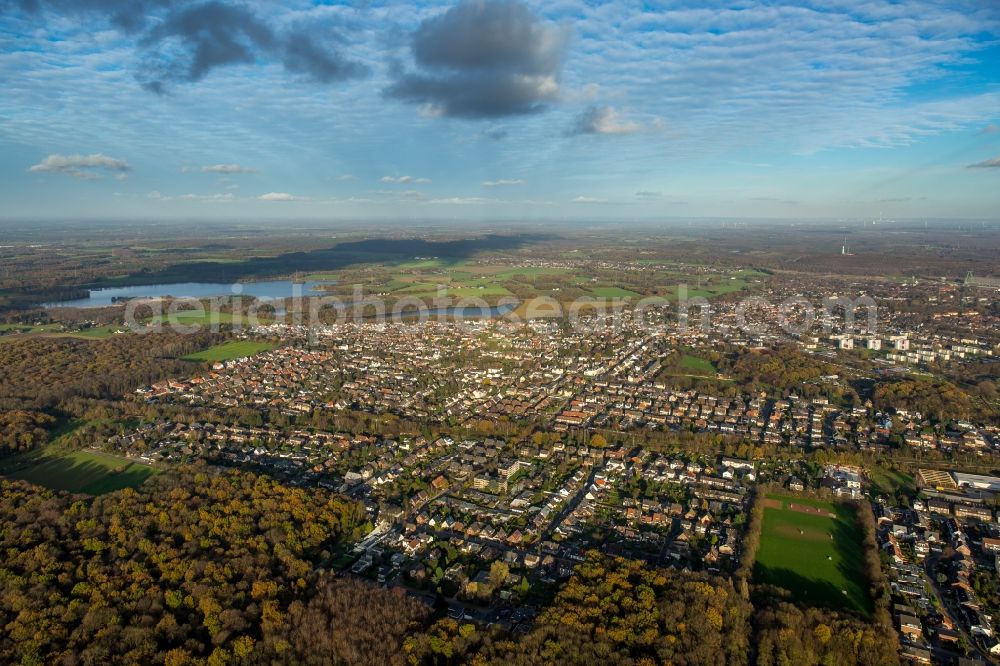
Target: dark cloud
x=187, y=40
x=486, y=34
x=303, y=55
x=987, y=164
x=483, y=59
x=196, y=39
x=603, y=120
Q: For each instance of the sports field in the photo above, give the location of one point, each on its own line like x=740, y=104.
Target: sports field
x=76, y=471
x=697, y=365
x=813, y=549
x=197, y=317
x=229, y=350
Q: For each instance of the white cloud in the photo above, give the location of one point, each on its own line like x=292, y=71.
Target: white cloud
x=502, y=182
x=279, y=196
x=347, y=176
x=800, y=77
x=464, y=201
x=589, y=200
x=401, y=180
x=227, y=169
x=221, y=197
x=82, y=166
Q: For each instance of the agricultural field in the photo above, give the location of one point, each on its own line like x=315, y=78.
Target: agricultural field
x=11, y=332
x=422, y=277
x=813, y=549
x=87, y=472
x=96, y=332
x=229, y=350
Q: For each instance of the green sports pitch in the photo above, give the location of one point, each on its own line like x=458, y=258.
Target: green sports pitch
x=88, y=472
x=230, y=350
x=813, y=549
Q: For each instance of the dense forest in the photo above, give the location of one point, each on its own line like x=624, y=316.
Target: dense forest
x=196, y=565
x=613, y=611
x=44, y=380
x=787, y=634
x=40, y=373
x=621, y=611
x=936, y=399
x=786, y=369
x=21, y=430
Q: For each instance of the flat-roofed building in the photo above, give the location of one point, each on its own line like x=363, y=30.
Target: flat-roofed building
x=977, y=481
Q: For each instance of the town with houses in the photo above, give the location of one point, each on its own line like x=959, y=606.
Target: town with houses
x=495, y=520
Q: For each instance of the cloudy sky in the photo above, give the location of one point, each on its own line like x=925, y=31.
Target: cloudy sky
x=561, y=109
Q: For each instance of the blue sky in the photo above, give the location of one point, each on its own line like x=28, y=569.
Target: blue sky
x=499, y=109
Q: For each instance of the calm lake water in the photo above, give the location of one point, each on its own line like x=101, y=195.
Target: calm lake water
x=265, y=291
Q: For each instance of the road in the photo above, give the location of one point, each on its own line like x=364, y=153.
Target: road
x=572, y=503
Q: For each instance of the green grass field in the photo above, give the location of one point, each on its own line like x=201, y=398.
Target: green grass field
x=198, y=317
x=76, y=471
x=887, y=481
x=816, y=557
x=229, y=350
x=20, y=331
x=697, y=365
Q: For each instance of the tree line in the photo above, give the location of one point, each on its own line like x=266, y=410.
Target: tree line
x=195, y=566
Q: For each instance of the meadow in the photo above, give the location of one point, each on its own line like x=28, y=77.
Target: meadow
x=229, y=350
x=697, y=365
x=813, y=549
x=891, y=482
x=196, y=317
x=87, y=472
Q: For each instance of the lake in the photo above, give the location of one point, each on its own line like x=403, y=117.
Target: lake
x=266, y=291
x=271, y=290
